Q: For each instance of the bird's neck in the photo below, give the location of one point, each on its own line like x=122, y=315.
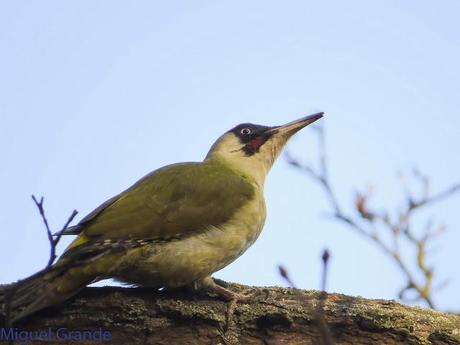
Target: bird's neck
x=251, y=169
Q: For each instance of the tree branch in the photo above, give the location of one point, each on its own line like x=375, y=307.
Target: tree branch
x=275, y=316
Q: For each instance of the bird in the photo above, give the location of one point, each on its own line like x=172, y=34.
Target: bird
x=174, y=227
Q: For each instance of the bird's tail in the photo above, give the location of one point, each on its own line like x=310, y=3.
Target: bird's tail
x=43, y=289
x=80, y=265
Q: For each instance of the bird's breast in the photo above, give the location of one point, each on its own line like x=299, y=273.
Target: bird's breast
x=232, y=238
x=183, y=261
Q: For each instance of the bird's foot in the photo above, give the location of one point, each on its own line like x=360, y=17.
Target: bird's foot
x=209, y=285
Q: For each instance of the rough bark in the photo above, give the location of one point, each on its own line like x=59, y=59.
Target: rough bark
x=274, y=316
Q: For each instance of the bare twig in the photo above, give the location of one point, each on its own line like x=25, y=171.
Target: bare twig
x=285, y=275
x=11, y=290
x=369, y=222
x=53, y=241
x=323, y=328
x=325, y=331
x=325, y=259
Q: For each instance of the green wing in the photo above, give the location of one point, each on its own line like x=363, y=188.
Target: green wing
x=174, y=201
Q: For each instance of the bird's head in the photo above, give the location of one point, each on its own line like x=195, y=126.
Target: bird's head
x=252, y=149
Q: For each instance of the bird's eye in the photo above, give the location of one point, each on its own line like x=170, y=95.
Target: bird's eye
x=246, y=131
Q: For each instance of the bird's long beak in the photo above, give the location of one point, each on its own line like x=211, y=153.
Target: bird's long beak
x=292, y=127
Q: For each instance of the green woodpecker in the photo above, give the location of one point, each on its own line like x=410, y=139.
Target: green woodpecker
x=174, y=227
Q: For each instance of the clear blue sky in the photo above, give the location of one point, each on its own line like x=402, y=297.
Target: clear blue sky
x=94, y=94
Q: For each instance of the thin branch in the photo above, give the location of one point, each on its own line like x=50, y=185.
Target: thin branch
x=59, y=234
x=39, y=205
x=320, y=320
x=53, y=241
x=285, y=275
x=11, y=291
x=369, y=222
x=436, y=197
x=324, y=329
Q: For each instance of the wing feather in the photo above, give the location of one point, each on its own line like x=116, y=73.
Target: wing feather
x=177, y=200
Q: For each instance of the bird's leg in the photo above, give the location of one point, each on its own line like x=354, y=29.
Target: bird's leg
x=209, y=285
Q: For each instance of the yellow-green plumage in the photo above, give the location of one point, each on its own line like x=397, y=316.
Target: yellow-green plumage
x=188, y=212
x=172, y=201
x=177, y=225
